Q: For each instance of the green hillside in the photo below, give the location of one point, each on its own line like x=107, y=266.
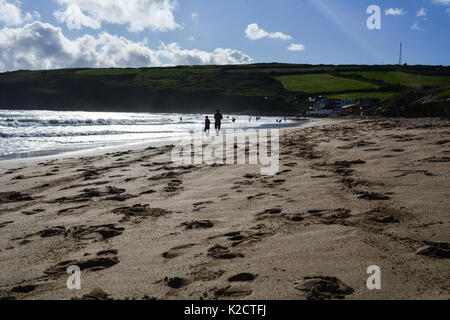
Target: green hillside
x=316, y=83
x=405, y=79
x=259, y=88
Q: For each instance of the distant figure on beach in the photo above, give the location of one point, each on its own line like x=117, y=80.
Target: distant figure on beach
x=207, y=125
x=181, y=119
x=218, y=117
x=233, y=120
x=250, y=119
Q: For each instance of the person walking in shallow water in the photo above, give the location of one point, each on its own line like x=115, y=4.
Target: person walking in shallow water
x=218, y=117
x=207, y=125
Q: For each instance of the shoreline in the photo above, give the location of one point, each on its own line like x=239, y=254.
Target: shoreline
x=304, y=123
x=350, y=193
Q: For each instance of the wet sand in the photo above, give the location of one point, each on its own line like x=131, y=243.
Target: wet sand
x=349, y=194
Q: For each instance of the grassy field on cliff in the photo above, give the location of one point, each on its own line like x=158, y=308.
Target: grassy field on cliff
x=272, y=88
x=323, y=82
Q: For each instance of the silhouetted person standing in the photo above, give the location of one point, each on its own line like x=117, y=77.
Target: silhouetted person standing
x=218, y=117
x=207, y=125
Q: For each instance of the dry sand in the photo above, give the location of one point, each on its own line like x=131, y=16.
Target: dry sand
x=350, y=194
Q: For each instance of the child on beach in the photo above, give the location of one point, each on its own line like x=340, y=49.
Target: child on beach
x=207, y=125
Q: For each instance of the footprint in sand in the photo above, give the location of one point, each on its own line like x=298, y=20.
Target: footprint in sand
x=268, y=214
x=384, y=215
x=232, y=292
x=204, y=274
x=90, y=174
x=148, y=192
x=223, y=253
x=177, y=251
x=51, y=232
x=200, y=205
x=173, y=186
x=14, y=197
x=101, y=262
x=335, y=216
x=140, y=211
x=96, y=294
x=298, y=217
x=348, y=164
x=242, y=277
x=239, y=237
x=24, y=288
x=373, y=196
x=324, y=216
x=97, y=233
x=101, y=232
x=176, y=282
x=323, y=288
x=440, y=250
x=86, y=195
x=197, y=224
x=351, y=183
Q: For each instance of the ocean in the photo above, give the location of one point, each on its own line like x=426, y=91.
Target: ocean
x=34, y=133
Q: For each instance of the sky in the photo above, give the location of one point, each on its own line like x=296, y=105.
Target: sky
x=52, y=34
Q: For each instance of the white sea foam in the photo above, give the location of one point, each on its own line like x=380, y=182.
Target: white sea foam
x=25, y=133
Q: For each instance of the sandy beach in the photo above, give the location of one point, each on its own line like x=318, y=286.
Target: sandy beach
x=350, y=193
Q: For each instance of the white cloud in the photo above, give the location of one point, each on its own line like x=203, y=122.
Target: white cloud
x=191, y=38
x=394, y=12
x=172, y=54
x=422, y=12
x=443, y=2
x=43, y=46
x=254, y=32
x=11, y=14
x=156, y=15
x=76, y=19
x=296, y=47
x=195, y=16
x=416, y=26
